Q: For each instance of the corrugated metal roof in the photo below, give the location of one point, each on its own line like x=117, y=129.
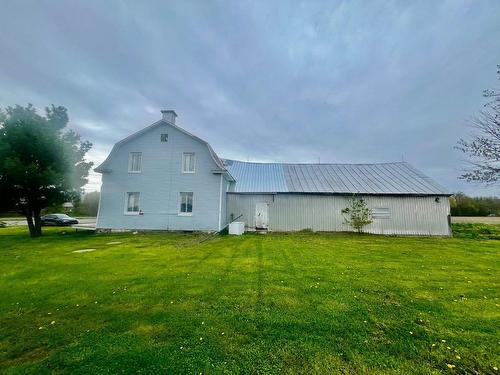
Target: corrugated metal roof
x=256, y=177
x=383, y=178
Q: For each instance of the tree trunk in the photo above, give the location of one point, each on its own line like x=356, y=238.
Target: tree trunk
x=38, y=223
x=36, y=226
x=31, y=226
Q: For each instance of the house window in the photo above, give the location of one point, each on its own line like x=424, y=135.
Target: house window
x=188, y=162
x=381, y=213
x=132, y=203
x=135, y=162
x=186, y=203
x=163, y=137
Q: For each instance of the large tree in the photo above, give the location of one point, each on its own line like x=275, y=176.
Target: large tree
x=42, y=162
x=483, y=149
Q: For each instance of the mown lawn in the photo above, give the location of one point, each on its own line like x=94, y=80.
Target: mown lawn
x=277, y=303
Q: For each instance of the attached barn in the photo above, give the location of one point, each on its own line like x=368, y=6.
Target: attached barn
x=292, y=197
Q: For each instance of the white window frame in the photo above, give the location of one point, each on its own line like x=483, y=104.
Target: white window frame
x=184, y=155
x=130, y=162
x=127, y=195
x=180, y=213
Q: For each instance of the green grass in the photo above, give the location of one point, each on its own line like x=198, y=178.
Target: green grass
x=476, y=231
x=277, y=303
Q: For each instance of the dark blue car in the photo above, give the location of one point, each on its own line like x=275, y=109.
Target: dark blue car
x=58, y=220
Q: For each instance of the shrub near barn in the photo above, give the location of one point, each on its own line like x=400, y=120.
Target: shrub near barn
x=357, y=214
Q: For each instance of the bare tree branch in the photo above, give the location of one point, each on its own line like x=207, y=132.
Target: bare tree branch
x=483, y=149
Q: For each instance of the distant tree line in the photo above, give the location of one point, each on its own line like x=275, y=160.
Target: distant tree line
x=85, y=205
x=463, y=205
x=89, y=204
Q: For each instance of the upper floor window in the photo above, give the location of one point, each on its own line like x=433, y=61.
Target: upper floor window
x=188, y=161
x=164, y=137
x=135, y=162
x=132, y=203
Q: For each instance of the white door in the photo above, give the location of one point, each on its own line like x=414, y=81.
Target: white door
x=261, y=219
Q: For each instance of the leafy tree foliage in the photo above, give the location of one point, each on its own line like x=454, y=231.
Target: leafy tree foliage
x=483, y=149
x=462, y=205
x=357, y=214
x=42, y=163
x=89, y=204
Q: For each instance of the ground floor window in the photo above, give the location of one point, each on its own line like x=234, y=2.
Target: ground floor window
x=132, y=203
x=186, y=203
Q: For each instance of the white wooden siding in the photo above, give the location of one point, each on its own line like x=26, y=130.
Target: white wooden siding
x=159, y=183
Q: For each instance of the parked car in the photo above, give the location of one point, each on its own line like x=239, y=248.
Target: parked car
x=58, y=220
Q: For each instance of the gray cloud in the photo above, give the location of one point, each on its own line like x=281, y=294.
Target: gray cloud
x=266, y=81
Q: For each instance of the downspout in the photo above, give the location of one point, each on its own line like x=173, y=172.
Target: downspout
x=220, y=201
x=99, y=204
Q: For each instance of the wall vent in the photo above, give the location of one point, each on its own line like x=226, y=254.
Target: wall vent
x=381, y=213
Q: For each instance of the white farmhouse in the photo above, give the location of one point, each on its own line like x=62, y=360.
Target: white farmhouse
x=165, y=178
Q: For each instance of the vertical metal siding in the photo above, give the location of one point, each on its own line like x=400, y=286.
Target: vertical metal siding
x=244, y=204
x=293, y=212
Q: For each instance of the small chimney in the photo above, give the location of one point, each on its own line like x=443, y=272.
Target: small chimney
x=169, y=115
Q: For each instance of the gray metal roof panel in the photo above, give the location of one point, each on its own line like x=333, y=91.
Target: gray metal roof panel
x=383, y=178
x=256, y=177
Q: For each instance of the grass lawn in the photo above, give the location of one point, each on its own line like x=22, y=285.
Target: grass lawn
x=277, y=303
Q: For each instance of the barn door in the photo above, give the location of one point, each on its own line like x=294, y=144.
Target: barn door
x=261, y=218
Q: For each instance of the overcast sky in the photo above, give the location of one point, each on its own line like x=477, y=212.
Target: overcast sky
x=340, y=82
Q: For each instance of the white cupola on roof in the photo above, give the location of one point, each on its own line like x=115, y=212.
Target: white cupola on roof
x=169, y=115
